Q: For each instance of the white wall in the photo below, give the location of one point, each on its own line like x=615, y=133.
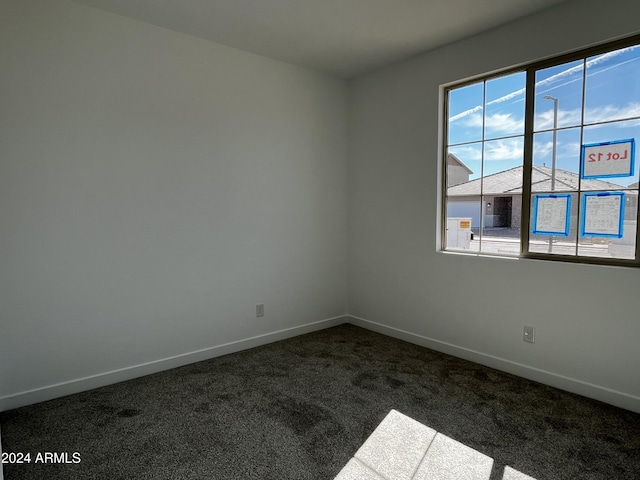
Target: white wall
x=153, y=188
x=586, y=317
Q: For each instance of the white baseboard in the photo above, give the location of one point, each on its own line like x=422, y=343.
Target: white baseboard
x=603, y=394
x=107, y=378
x=613, y=397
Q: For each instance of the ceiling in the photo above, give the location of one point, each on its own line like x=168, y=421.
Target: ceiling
x=340, y=37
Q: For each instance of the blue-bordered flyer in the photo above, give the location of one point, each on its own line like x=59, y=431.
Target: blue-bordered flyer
x=602, y=214
x=551, y=214
x=608, y=159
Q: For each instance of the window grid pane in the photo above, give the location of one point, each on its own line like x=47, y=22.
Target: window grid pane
x=484, y=163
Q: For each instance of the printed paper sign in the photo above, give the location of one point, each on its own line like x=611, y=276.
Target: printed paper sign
x=551, y=214
x=603, y=214
x=608, y=159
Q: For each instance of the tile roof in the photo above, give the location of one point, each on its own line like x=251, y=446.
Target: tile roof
x=510, y=181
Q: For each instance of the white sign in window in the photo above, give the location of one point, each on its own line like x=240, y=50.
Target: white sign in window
x=551, y=214
x=608, y=159
x=603, y=214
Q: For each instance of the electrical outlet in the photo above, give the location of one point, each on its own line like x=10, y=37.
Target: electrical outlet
x=529, y=334
x=260, y=310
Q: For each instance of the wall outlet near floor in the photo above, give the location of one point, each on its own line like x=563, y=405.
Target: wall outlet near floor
x=260, y=310
x=529, y=334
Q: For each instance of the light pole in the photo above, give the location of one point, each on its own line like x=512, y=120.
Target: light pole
x=555, y=140
x=553, y=154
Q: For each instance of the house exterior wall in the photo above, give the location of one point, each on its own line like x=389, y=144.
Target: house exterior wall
x=469, y=206
x=456, y=175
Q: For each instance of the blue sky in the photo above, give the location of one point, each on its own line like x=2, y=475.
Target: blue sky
x=612, y=93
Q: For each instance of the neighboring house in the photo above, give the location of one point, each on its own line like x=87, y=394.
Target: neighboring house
x=501, y=198
x=457, y=172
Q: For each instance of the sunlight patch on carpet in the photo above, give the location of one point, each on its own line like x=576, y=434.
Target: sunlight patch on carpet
x=401, y=448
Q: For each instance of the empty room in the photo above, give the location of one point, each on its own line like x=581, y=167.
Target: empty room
x=305, y=239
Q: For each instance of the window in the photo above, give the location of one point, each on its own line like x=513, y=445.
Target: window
x=541, y=162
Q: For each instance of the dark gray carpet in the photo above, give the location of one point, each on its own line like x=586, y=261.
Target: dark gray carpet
x=300, y=408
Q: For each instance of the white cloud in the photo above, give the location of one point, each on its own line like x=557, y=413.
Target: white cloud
x=553, y=78
x=466, y=113
x=604, y=113
x=467, y=153
x=473, y=120
x=507, y=149
x=542, y=149
x=590, y=63
x=569, y=148
x=608, y=55
x=496, y=125
x=509, y=96
x=612, y=112
x=504, y=123
x=544, y=120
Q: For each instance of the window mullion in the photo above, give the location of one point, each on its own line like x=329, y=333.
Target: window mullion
x=579, y=196
x=525, y=226
x=482, y=207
